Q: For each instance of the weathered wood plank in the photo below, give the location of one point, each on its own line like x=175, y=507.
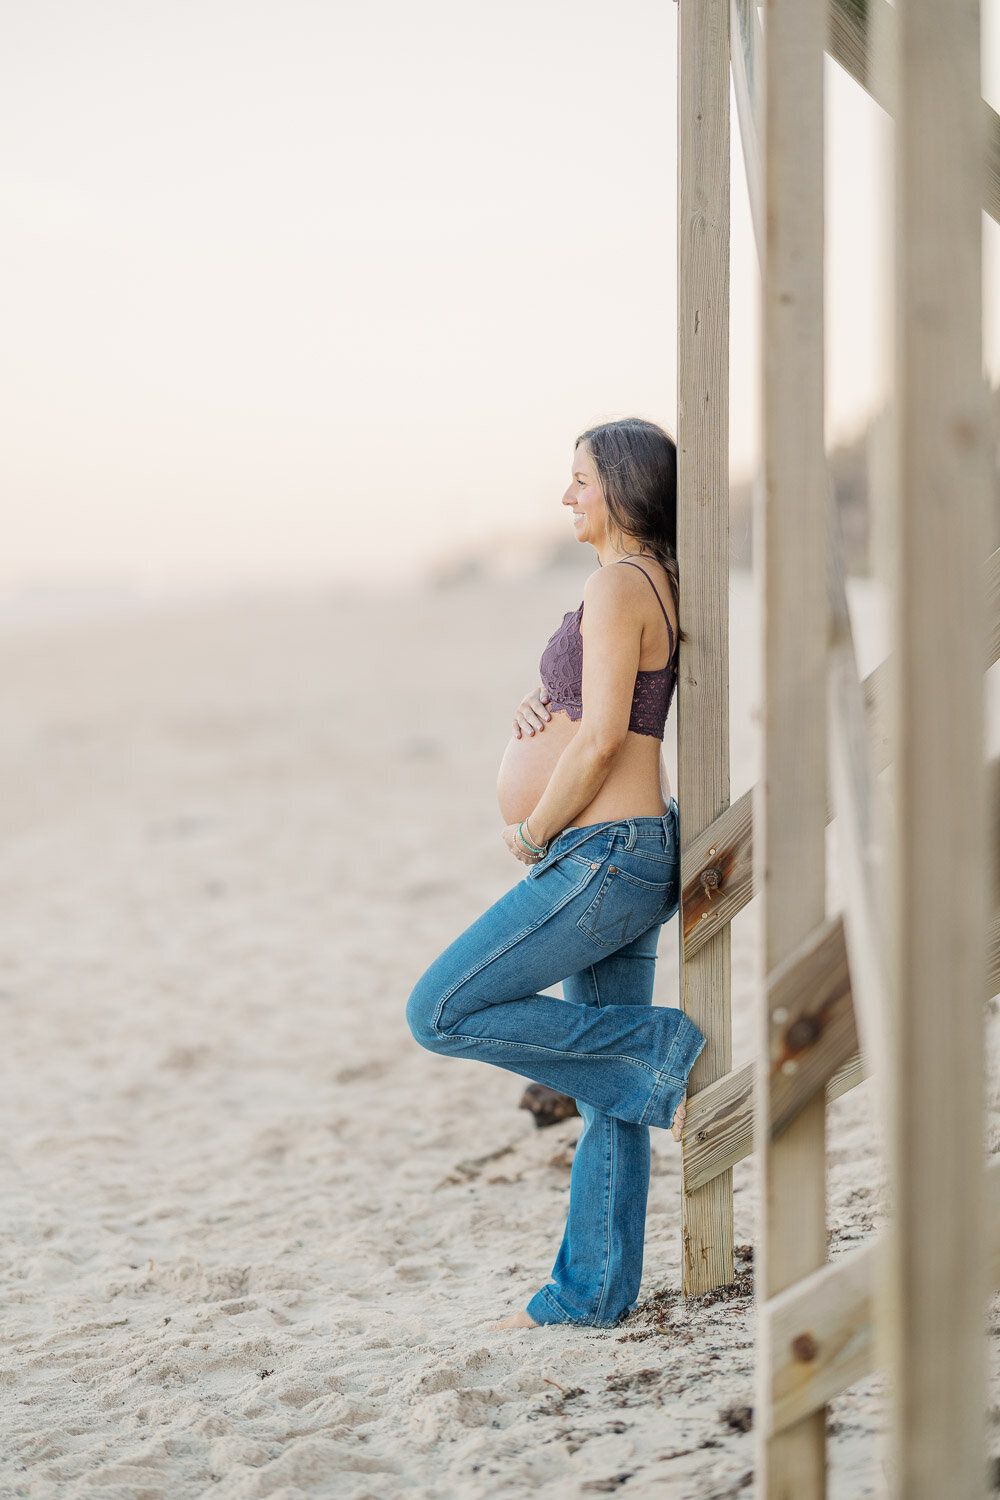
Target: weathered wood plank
x=820, y=1336
x=993, y=608
x=726, y=844
x=850, y=39
x=790, y=555
x=703, y=550
x=813, y=1031
x=718, y=1131
x=747, y=51
x=849, y=44
x=717, y=874
x=821, y=1333
x=932, y=1300
x=815, y=1050
x=852, y=783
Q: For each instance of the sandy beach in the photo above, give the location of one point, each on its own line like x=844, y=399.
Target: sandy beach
x=253, y=1235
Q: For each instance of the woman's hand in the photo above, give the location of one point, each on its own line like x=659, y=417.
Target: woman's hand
x=510, y=838
x=531, y=713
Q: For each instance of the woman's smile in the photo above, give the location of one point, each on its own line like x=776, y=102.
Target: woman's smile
x=585, y=498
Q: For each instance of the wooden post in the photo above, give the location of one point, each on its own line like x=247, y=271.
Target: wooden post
x=703, y=554
x=791, y=798
x=934, y=1292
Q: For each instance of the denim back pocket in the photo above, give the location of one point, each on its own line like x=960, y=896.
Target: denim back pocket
x=624, y=906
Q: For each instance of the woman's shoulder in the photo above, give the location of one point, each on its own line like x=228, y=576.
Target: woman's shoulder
x=620, y=597
x=619, y=581
x=607, y=583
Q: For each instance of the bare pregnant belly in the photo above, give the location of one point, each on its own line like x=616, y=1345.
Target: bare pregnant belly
x=636, y=785
x=527, y=765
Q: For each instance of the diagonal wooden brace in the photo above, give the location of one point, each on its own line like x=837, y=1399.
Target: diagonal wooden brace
x=718, y=1131
x=818, y=1336
x=717, y=866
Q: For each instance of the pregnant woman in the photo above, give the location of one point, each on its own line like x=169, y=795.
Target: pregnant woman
x=587, y=808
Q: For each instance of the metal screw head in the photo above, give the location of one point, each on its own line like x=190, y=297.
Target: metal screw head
x=789, y=1065
x=779, y=1015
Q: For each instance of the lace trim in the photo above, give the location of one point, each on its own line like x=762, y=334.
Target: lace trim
x=561, y=672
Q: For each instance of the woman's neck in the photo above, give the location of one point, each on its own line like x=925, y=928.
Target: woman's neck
x=607, y=553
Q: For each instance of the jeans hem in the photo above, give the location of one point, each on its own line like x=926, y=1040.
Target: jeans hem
x=671, y=1085
x=548, y=1301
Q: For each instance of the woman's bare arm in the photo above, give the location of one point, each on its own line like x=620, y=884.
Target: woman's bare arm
x=612, y=634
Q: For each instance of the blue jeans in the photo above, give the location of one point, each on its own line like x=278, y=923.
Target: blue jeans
x=588, y=914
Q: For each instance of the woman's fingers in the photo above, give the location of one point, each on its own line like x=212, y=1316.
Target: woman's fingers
x=531, y=715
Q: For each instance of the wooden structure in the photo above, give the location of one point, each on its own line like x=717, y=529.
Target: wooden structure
x=895, y=984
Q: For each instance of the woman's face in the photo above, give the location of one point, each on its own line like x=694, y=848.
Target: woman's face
x=585, y=499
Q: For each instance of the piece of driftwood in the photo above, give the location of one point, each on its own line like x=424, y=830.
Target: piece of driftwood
x=547, y=1105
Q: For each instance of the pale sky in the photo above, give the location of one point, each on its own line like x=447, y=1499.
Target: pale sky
x=310, y=290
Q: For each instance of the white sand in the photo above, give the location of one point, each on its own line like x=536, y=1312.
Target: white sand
x=253, y=1234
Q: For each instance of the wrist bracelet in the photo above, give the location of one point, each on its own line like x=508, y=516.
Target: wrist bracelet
x=527, y=842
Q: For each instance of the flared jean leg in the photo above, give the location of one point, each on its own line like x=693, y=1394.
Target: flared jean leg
x=481, y=998
x=598, y=1270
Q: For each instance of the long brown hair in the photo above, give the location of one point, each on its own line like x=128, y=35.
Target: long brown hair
x=636, y=463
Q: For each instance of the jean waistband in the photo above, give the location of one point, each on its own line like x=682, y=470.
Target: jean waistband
x=633, y=828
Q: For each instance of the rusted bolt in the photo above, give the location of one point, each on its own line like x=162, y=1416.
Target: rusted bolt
x=802, y=1033
x=711, y=878
x=805, y=1348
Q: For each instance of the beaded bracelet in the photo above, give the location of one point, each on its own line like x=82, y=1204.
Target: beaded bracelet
x=535, y=848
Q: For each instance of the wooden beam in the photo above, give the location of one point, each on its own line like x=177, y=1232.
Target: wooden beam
x=849, y=44
x=993, y=609
x=851, y=29
x=852, y=783
x=718, y=1131
x=747, y=54
x=932, y=1299
x=821, y=1331
x=852, y=39
x=820, y=1336
x=717, y=874
x=719, y=1128
x=703, y=552
x=813, y=1032
x=791, y=799
x=726, y=845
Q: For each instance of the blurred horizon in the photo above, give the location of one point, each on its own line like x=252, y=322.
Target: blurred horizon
x=320, y=293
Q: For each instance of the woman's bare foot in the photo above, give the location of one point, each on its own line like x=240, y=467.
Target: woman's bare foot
x=516, y=1320
x=677, y=1127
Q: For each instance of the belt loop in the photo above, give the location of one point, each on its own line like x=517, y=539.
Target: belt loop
x=630, y=824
